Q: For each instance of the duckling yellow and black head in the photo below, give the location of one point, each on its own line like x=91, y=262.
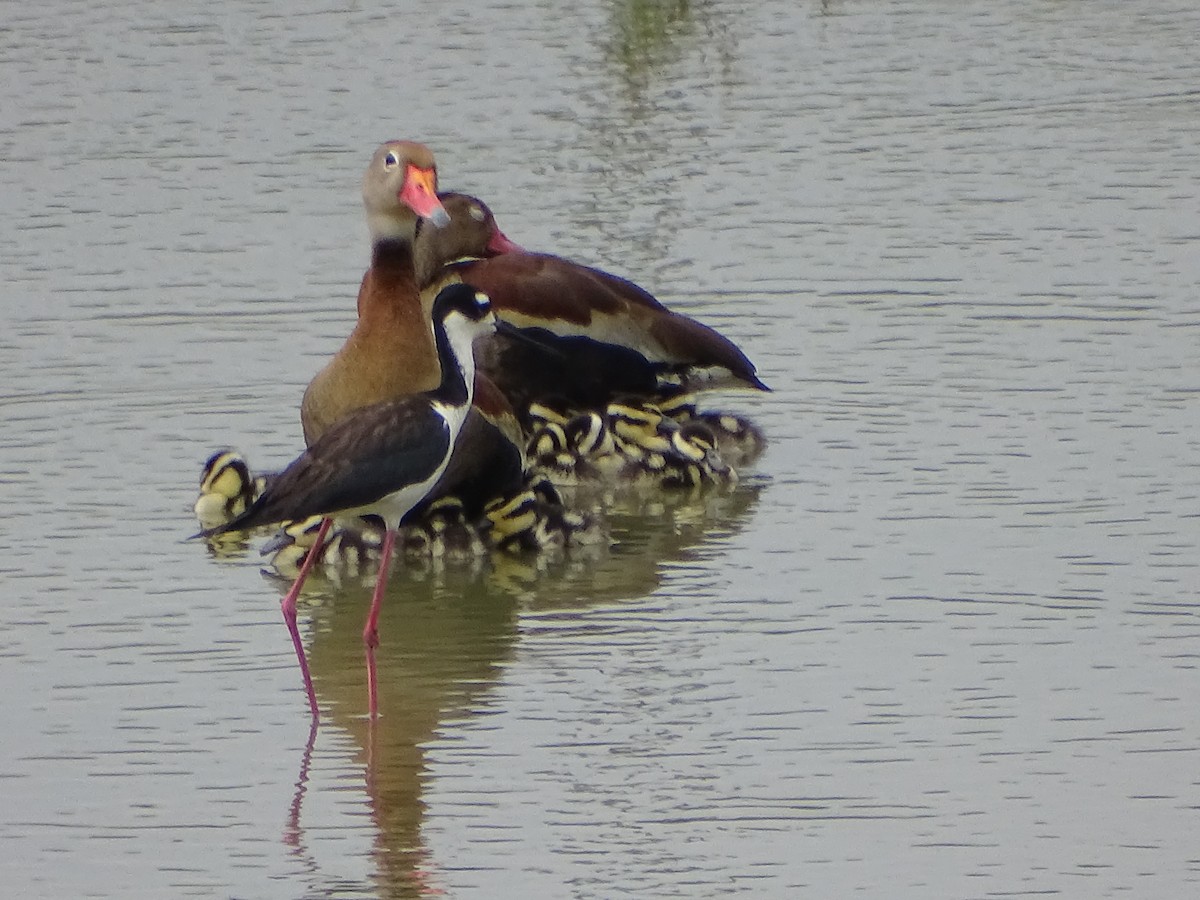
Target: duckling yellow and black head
x=535, y=520
x=739, y=440
x=349, y=548
x=692, y=443
x=543, y=490
x=444, y=530
x=546, y=441
x=560, y=456
x=301, y=533
x=549, y=409
x=697, y=459
x=678, y=405
x=508, y=519
x=226, y=488
x=639, y=427
x=590, y=435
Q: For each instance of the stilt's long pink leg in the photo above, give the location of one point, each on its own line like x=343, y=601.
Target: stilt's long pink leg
x=371, y=629
x=288, y=606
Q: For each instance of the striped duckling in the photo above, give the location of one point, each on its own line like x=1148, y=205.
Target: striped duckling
x=535, y=519
x=443, y=531
x=346, y=551
x=580, y=451
x=739, y=440
x=658, y=448
x=695, y=460
x=226, y=488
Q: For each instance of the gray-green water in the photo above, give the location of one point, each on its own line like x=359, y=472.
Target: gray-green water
x=942, y=643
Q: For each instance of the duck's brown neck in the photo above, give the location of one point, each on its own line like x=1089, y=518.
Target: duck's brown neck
x=394, y=335
x=389, y=284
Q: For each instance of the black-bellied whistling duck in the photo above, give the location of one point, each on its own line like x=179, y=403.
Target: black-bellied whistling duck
x=602, y=336
x=390, y=353
x=378, y=460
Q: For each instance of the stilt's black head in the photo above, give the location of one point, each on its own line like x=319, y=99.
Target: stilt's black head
x=462, y=299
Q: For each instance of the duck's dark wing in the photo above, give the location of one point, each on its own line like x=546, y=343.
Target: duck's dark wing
x=540, y=291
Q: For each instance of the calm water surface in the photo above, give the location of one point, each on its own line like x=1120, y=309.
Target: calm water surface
x=941, y=642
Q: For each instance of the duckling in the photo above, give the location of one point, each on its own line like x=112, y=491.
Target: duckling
x=739, y=440
x=591, y=439
x=302, y=533
x=535, y=519
x=647, y=442
x=547, y=439
x=637, y=424
x=546, y=410
x=696, y=460
x=543, y=489
x=550, y=454
x=510, y=521
x=590, y=435
x=442, y=530
x=226, y=488
x=559, y=527
x=346, y=551
x=678, y=405
x=582, y=450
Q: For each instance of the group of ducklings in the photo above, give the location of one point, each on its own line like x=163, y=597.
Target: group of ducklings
x=533, y=518
x=633, y=441
x=668, y=444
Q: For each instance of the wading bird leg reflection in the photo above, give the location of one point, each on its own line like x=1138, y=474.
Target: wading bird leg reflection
x=371, y=629
x=293, y=835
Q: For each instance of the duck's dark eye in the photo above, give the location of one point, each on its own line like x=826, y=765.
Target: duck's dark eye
x=483, y=302
x=391, y=161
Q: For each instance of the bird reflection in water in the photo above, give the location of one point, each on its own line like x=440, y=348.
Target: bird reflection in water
x=453, y=632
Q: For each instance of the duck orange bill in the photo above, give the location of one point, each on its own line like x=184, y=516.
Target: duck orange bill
x=419, y=193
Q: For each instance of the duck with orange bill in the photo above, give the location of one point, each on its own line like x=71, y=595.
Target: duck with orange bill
x=390, y=351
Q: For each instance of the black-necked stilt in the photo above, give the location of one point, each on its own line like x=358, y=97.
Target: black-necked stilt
x=380, y=460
